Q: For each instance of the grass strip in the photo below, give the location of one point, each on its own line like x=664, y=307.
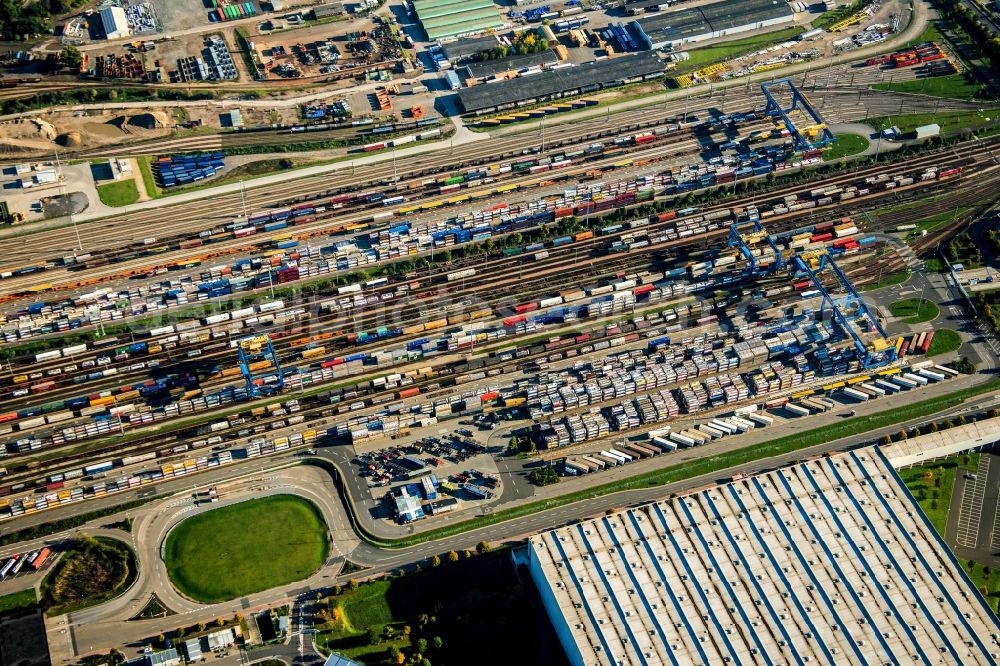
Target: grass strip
x=18, y=600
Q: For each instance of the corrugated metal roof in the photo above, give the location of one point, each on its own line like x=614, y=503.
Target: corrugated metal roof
x=690, y=23
x=596, y=74
x=447, y=18
x=827, y=561
x=488, y=68
x=467, y=16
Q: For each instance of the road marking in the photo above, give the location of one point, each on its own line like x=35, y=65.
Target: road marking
x=971, y=507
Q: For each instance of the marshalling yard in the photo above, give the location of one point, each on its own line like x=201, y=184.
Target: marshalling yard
x=674, y=351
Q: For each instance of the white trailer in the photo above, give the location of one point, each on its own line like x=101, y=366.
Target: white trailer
x=698, y=436
x=796, y=409
x=903, y=382
x=625, y=458
x=726, y=428
x=761, y=419
x=596, y=461
x=856, y=394
x=922, y=381
x=874, y=390
x=930, y=374
x=609, y=459
x=744, y=424
x=946, y=371
x=682, y=440
x=710, y=432
x=664, y=444
x=887, y=385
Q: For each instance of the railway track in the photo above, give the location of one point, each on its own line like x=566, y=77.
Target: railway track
x=191, y=217
x=844, y=178
x=493, y=283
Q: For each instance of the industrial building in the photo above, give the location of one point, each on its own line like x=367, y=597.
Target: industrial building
x=114, y=23
x=671, y=29
x=443, y=19
x=487, y=69
x=556, y=83
x=460, y=50
x=827, y=561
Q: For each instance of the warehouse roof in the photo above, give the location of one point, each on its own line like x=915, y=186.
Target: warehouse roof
x=487, y=68
x=447, y=18
x=683, y=24
x=828, y=561
x=592, y=75
x=461, y=49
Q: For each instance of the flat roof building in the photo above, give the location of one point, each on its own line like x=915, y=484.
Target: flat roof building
x=443, y=19
x=464, y=49
x=488, y=68
x=114, y=23
x=712, y=21
x=829, y=561
x=555, y=83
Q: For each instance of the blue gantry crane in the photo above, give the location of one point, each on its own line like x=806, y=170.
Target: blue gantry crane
x=259, y=365
x=849, y=311
x=815, y=135
x=746, y=240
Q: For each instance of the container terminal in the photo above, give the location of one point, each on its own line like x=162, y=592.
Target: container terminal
x=526, y=295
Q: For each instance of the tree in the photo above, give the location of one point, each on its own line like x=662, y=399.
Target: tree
x=393, y=652
x=352, y=585
x=238, y=617
x=437, y=642
x=400, y=658
x=422, y=621
x=71, y=57
x=406, y=630
x=421, y=645
x=372, y=636
x=337, y=590
x=543, y=476
x=483, y=547
x=161, y=639
x=219, y=622
x=435, y=561
x=932, y=426
x=201, y=626
x=180, y=632
x=452, y=556
x=901, y=436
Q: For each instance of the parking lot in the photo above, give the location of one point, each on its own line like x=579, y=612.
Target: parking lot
x=382, y=467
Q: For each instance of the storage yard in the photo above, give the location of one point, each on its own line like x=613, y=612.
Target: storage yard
x=648, y=313
x=498, y=305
